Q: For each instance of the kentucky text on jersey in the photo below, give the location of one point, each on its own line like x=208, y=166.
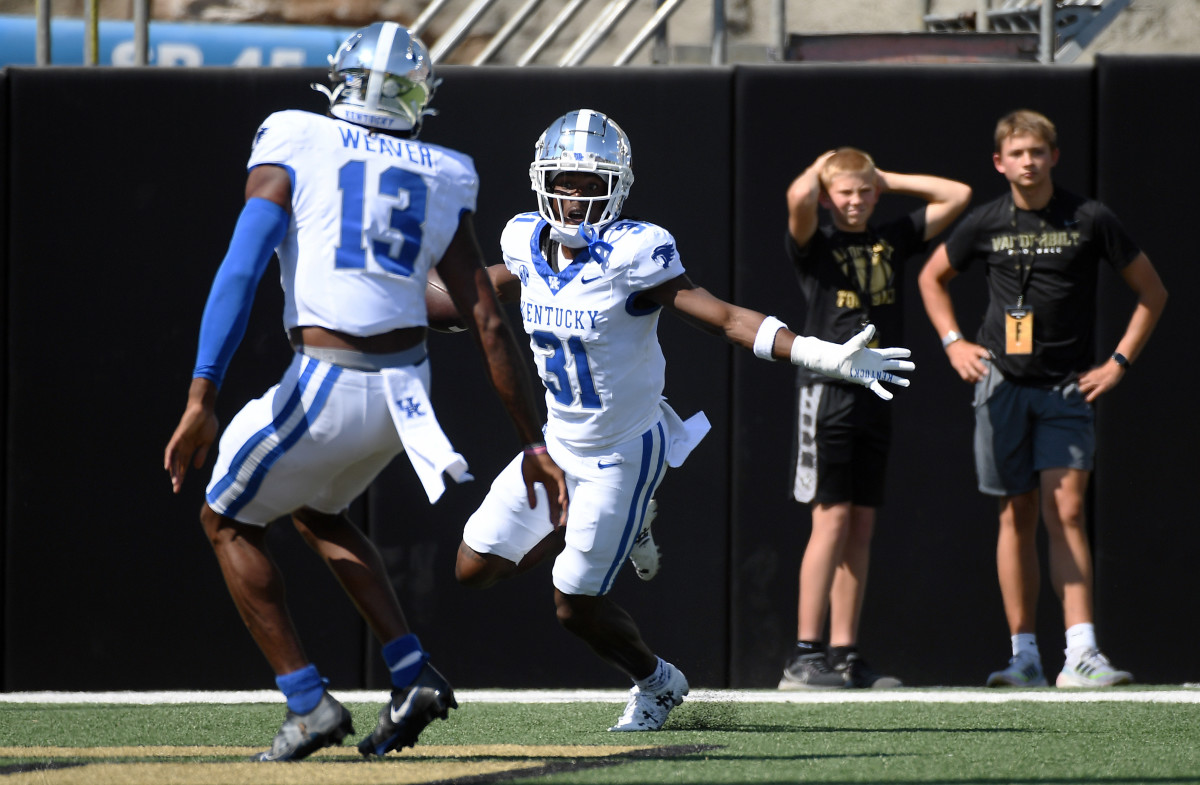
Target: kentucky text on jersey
x=1026, y=240
x=565, y=318
x=387, y=145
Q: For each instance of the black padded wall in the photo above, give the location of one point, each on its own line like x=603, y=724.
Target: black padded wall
x=508, y=634
x=1147, y=431
x=124, y=216
x=932, y=611
x=123, y=284
x=5, y=235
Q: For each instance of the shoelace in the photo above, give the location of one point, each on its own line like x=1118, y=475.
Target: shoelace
x=820, y=664
x=1093, y=663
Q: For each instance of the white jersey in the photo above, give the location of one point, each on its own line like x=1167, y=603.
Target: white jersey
x=597, y=353
x=371, y=213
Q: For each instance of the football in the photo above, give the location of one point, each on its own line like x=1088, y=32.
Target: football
x=443, y=316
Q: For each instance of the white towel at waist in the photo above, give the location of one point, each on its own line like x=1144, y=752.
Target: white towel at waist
x=429, y=451
x=683, y=435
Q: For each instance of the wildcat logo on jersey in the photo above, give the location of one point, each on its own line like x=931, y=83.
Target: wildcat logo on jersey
x=411, y=407
x=262, y=131
x=664, y=254
x=523, y=274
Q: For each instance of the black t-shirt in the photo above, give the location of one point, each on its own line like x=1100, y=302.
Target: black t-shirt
x=848, y=278
x=1051, y=258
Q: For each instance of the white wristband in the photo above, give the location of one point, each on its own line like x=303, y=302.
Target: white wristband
x=764, y=339
x=951, y=337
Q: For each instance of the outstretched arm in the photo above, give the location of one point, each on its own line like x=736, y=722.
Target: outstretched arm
x=947, y=198
x=468, y=283
x=769, y=338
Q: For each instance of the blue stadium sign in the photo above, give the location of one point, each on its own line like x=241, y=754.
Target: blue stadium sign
x=173, y=43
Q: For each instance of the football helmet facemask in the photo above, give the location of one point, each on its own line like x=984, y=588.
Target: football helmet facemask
x=382, y=77
x=582, y=141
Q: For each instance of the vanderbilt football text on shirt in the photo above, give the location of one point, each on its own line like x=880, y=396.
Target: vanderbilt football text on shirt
x=1046, y=261
x=850, y=278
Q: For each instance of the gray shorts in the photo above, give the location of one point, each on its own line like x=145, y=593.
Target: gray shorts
x=1022, y=430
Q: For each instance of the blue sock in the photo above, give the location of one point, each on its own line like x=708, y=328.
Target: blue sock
x=303, y=689
x=405, y=658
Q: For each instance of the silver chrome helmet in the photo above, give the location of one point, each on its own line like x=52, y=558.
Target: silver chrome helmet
x=582, y=141
x=382, y=78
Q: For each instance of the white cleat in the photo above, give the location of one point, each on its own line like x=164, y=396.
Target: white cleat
x=648, y=711
x=645, y=554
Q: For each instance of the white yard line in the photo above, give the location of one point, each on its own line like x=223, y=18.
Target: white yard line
x=1187, y=693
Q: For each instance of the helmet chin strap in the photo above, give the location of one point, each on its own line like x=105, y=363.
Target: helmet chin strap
x=572, y=239
x=584, y=235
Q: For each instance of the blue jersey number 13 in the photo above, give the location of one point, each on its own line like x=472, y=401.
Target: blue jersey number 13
x=400, y=198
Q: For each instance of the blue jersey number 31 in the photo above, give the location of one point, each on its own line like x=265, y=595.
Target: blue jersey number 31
x=556, y=366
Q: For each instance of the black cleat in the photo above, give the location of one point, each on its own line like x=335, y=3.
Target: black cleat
x=304, y=734
x=411, y=708
x=859, y=674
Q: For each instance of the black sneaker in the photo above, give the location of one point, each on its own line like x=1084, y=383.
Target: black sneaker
x=810, y=672
x=855, y=671
x=304, y=734
x=411, y=708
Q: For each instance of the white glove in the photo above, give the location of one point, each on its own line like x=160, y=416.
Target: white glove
x=852, y=361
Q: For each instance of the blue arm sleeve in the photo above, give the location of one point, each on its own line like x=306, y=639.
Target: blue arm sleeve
x=260, y=227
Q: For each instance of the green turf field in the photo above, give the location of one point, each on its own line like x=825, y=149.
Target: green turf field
x=1148, y=735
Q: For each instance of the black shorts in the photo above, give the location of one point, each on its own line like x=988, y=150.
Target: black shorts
x=1021, y=431
x=840, y=448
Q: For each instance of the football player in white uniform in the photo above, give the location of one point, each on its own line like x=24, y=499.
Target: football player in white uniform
x=358, y=212
x=591, y=286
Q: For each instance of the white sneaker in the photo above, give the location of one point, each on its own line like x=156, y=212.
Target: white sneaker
x=1091, y=670
x=648, y=711
x=1022, y=671
x=645, y=553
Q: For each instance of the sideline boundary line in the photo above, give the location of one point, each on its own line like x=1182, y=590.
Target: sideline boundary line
x=1187, y=693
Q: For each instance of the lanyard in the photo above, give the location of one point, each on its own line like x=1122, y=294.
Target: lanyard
x=1026, y=255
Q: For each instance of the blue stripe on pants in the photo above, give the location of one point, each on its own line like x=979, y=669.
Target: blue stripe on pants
x=648, y=478
x=243, y=490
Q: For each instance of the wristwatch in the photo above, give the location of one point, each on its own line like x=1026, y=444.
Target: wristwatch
x=1121, y=360
x=950, y=338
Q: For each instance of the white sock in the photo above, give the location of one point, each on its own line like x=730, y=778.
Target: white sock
x=1080, y=638
x=655, y=681
x=1024, y=644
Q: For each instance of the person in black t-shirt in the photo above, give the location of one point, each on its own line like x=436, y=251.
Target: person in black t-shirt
x=1032, y=364
x=850, y=276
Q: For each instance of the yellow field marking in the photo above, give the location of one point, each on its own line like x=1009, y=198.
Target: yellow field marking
x=523, y=751
x=384, y=772
x=330, y=766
